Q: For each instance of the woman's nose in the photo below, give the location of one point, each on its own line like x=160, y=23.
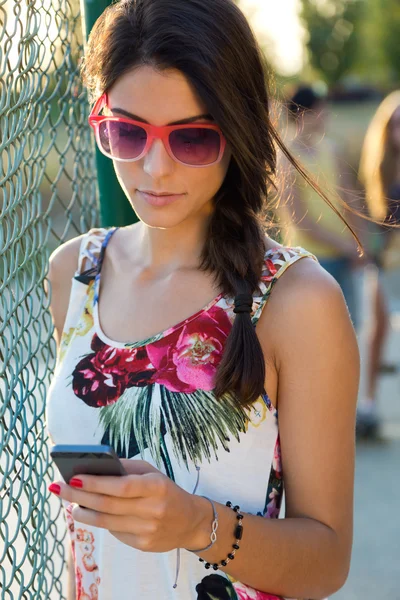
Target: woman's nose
x=157, y=161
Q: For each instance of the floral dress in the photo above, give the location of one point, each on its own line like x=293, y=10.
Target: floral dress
x=153, y=400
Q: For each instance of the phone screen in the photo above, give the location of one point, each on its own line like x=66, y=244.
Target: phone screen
x=73, y=460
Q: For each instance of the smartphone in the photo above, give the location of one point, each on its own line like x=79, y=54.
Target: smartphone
x=73, y=460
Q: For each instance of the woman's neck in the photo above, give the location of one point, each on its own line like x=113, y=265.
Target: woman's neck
x=165, y=250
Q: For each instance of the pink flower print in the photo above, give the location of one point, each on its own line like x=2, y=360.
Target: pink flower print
x=97, y=344
x=272, y=271
x=195, y=360
x=248, y=593
x=187, y=359
x=94, y=592
x=277, y=460
x=80, y=591
x=86, y=541
x=132, y=362
x=69, y=517
x=101, y=378
x=89, y=562
x=82, y=535
x=94, y=387
x=272, y=507
x=71, y=527
x=78, y=581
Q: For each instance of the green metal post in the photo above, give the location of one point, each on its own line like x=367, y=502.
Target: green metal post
x=115, y=209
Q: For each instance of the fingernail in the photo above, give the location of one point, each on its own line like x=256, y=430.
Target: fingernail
x=76, y=482
x=54, y=488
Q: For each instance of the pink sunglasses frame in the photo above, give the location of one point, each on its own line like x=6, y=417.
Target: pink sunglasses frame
x=153, y=132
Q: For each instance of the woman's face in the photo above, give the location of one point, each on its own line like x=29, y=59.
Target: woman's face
x=394, y=127
x=161, y=98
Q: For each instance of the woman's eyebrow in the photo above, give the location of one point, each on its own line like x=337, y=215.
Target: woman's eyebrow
x=181, y=122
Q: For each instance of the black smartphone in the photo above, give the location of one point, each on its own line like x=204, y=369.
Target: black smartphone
x=73, y=460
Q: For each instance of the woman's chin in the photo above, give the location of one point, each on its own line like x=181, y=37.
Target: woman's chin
x=159, y=220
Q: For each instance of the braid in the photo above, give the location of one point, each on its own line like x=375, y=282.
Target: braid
x=234, y=252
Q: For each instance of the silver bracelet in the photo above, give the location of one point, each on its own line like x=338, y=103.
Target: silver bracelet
x=214, y=526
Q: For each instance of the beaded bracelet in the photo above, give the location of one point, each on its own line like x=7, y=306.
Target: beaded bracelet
x=238, y=535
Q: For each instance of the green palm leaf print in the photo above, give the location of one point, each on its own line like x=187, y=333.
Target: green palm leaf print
x=197, y=423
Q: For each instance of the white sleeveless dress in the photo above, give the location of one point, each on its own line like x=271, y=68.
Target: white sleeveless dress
x=153, y=400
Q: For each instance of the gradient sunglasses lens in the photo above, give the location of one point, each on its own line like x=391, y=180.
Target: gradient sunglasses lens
x=122, y=140
x=195, y=145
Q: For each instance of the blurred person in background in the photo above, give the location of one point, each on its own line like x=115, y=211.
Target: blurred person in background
x=304, y=220
x=380, y=174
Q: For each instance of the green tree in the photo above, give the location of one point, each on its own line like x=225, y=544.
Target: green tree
x=379, y=50
x=388, y=28
x=333, y=28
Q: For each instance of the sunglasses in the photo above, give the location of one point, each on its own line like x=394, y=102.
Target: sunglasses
x=127, y=140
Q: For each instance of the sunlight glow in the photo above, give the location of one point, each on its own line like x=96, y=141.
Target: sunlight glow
x=278, y=27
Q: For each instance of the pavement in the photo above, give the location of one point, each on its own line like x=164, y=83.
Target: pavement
x=375, y=565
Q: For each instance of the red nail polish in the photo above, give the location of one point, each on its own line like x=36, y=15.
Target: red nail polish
x=54, y=488
x=76, y=482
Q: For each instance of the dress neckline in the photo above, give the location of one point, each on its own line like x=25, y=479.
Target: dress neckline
x=162, y=334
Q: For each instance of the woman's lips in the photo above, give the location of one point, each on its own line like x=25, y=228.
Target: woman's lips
x=160, y=200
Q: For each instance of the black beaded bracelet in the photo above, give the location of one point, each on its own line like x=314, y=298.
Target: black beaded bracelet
x=238, y=536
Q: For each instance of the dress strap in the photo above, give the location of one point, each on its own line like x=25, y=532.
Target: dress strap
x=90, y=253
x=277, y=261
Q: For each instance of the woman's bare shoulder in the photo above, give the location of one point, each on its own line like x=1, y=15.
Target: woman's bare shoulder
x=63, y=263
x=306, y=297
x=304, y=282
x=64, y=258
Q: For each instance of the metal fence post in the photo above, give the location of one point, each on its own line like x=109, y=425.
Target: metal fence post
x=114, y=205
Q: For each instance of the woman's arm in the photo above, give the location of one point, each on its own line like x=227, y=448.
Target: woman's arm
x=306, y=555
x=62, y=265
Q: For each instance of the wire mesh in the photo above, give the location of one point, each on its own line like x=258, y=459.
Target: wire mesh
x=48, y=195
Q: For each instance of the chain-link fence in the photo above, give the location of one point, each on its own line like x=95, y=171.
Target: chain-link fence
x=48, y=195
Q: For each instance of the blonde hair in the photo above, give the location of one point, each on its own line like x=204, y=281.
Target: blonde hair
x=378, y=157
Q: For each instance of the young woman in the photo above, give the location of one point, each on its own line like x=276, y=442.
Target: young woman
x=218, y=363
x=380, y=174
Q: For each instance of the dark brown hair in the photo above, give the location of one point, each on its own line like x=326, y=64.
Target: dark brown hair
x=213, y=45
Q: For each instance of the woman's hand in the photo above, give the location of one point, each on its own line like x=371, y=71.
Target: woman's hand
x=144, y=509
